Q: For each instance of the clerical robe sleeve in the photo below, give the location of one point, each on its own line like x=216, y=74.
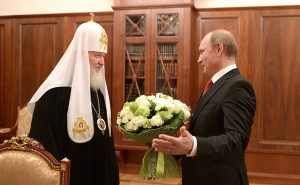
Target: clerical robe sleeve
x=49, y=121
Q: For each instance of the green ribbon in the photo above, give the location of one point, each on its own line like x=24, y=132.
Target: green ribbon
x=160, y=165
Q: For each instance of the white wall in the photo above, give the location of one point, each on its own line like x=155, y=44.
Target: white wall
x=243, y=3
x=24, y=7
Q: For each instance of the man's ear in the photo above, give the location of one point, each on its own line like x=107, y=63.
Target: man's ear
x=219, y=48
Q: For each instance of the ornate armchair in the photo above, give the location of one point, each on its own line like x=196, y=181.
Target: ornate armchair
x=25, y=161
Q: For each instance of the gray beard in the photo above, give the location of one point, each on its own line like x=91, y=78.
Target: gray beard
x=96, y=80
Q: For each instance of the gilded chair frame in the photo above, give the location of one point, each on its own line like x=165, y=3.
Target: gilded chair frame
x=28, y=145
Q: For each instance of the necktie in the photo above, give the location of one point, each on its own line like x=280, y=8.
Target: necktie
x=207, y=86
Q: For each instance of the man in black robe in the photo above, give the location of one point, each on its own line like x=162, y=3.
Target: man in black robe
x=71, y=110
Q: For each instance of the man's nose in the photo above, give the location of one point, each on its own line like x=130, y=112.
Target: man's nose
x=200, y=60
x=101, y=61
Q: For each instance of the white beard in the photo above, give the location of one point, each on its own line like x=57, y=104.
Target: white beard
x=97, y=81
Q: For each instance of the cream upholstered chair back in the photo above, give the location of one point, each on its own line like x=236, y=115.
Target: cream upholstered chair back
x=24, y=161
x=23, y=120
x=22, y=125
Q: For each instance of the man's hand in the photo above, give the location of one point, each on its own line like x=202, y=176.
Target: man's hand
x=174, y=145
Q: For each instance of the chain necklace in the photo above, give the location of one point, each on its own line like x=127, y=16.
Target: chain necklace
x=100, y=122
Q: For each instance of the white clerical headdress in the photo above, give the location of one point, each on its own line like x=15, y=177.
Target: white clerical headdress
x=73, y=70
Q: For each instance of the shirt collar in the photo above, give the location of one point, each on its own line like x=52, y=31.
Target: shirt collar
x=222, y=72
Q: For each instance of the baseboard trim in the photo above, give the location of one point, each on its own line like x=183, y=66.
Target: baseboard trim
x=270, y=178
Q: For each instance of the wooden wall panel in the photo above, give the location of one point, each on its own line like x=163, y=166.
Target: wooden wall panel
x=279, y=64
x=273, y=167
x=6, y=71
x=233, y=21
x=274, y=153
x=37, y=52
x=2, y=68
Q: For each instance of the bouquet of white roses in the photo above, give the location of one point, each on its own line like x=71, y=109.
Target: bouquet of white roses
x=143, y=120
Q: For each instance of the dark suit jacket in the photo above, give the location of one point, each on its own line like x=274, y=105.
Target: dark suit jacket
x=222, y=124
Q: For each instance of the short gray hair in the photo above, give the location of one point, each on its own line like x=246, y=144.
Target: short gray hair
x=227, y=39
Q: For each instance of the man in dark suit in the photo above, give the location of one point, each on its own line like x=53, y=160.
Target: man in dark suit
x=219, y=130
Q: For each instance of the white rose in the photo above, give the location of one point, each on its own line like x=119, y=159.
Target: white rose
x=150, y=98
x=126, y=114
x=124, y=120
x=186, y=110
x=138, y=121
x=130, y=126
x=156, y=120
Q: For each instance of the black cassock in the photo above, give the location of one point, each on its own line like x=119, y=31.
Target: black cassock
x=93, y=162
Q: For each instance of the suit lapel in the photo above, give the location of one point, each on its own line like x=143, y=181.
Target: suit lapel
x=210, y=93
